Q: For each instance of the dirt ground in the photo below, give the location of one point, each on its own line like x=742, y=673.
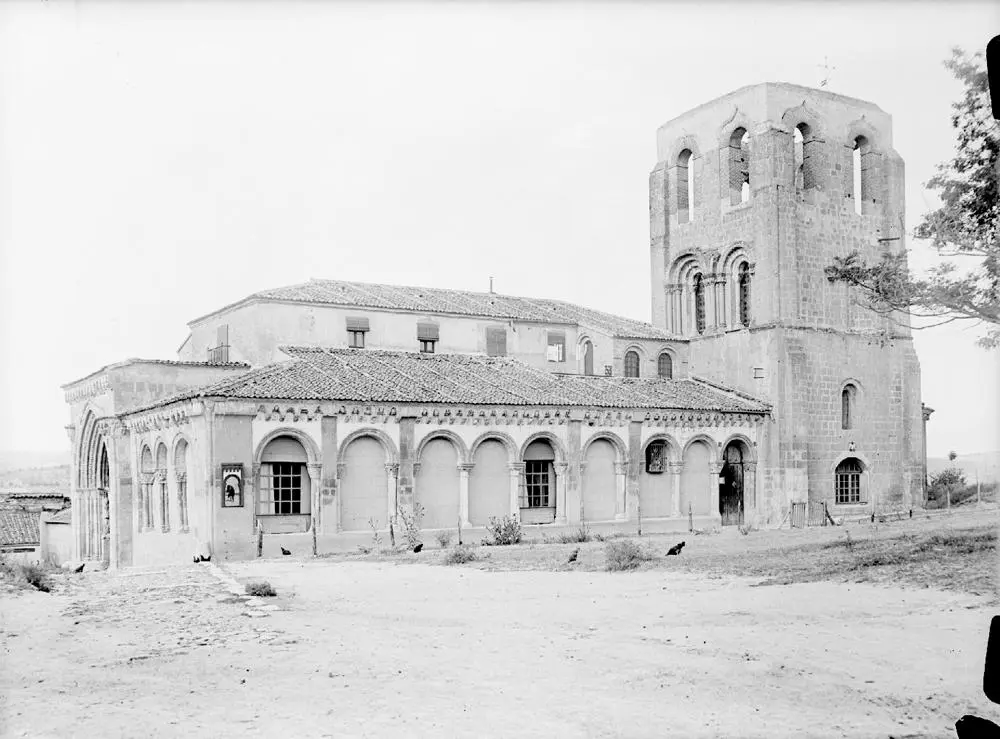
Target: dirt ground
x=407, y=647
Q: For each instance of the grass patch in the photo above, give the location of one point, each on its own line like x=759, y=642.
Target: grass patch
x=25, y=574
x=460, y=555
x=261, y=589
x=579, y=536
x=444, y=538
x=624, y=554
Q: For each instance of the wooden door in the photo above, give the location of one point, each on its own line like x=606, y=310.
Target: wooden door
x=731, y=487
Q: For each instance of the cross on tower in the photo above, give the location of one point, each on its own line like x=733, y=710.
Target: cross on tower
x=827, y=69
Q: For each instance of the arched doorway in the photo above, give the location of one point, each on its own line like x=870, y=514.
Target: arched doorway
x=732, y=485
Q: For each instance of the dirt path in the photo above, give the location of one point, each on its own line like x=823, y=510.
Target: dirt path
x=378, y=649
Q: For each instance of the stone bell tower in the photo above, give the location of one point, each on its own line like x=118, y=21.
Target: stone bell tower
x=754, y=193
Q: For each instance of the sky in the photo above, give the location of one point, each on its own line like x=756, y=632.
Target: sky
x=159, y=160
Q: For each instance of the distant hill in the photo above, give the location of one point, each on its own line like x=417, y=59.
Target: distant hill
x=24, y=460
x=987, y=464
x=53, y=479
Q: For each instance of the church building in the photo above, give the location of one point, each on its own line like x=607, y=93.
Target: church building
x=317, y=413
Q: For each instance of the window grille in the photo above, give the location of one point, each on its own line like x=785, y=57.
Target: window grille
x=656, y=457
x=631, y=364
x=744, y=284
x=537, y=484
x=281, y=489
x=699, y=303
x=665, y=367
x=848, y=482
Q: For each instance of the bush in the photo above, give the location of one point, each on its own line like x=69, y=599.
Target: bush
x=624, y=554
x=460, y=555
x=411, y=524
x=22, y=574
x=444, y=538
x=261, y=589
x=579, y=536
x=503, y=531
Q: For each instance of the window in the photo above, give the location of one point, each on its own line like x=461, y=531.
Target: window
x=219, y=354
x=556, y=349
x=537, y=479
x=847, y=406
x=656, y=457
x=428, y=335
x=848, y=482
x=685, y=187
x=588, y=358
x=357, y=326
x=744, y=288
x=805, y=157
x=699, y=304
x=281, y=489
x=496, y=341
x=862, y=186
x=631, y=363
x=739, y=167
x=284, y=482
x=665, y=367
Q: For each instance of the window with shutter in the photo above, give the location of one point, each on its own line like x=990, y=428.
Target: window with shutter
x=496, y=342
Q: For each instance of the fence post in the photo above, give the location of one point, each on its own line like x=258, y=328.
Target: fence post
x=690, y=519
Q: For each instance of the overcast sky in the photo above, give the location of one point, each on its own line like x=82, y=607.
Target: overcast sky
x=159, y=160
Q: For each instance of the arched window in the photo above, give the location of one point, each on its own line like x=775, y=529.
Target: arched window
x=861, y=160
x=665, y=366
x=104, y=471
x=588, y=358
x=284, y=480
x=685, y=187
x=743, y=280
x=739, y=166
x=699, y=304
x=847, y=482
x=847, y=406
x=805, y=157
x=631, y=363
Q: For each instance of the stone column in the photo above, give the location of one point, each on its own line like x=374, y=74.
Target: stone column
x=713, y=489
x=675, y=488
x=164, y=498
x=560, y=468
x=722, y=314
x=516, y=480
x=463, y=493
x=182, y=508
x=105, y=529
x=315, y=486
x=336, y=525
x=391, y=502
x=621, y=509
x=749, y=488
x=145, y=514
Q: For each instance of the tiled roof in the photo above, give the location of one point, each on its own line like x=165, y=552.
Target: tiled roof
x=371, y=375
x=172, y=362
x=18, y=527
x=461, y=302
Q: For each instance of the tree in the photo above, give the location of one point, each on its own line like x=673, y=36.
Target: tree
x=967, y=224
x=952, y=456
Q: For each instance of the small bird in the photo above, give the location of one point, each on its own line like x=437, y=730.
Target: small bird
x=79, y=569
x=285, y=551
x=572, y=555
x=418, y=547
x=676, y=548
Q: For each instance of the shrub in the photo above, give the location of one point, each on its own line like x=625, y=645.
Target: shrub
x=579, y=536
x=410, y=521
x=460, y=555
x=21, y=574
x=261, y=589
x=503, y=531
x=443, y=538
x=624, y=554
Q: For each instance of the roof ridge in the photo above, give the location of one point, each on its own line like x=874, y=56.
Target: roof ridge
x=728, y=389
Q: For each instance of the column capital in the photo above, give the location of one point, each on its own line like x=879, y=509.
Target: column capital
x=621, y=468
x=391, y=468
x=675, y=467
x=516, y=466
x=315, y=471
x=465, y=467
x=560, y=468
x=181, y=476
